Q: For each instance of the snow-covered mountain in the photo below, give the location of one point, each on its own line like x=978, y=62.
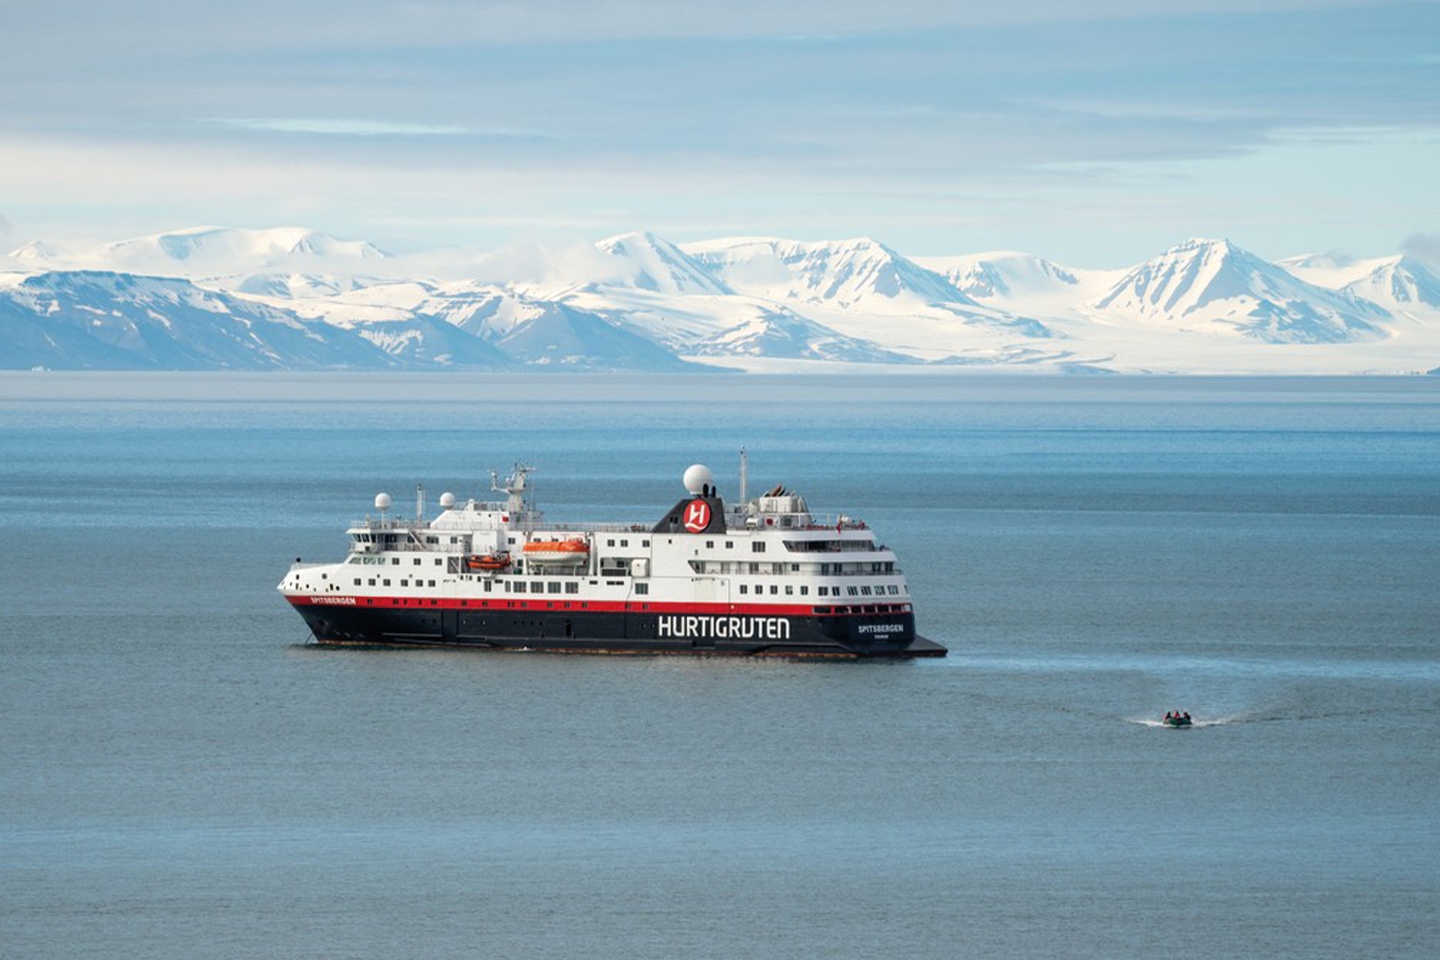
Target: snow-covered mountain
x=508, y=324
x=290, y=286
x=292, y=297
x=1003, y=275
x=846, y=273
x=208, y=252
x=654, y=263
x=1214, y=286
x=1396, y=283
x=88, y=319
x=550, y=333
x=42, y=254
x=786, y=335
x=421, y=341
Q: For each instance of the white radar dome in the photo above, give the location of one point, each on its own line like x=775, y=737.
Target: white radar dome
x=382, y=501
x=447, y=500
x=698, y=477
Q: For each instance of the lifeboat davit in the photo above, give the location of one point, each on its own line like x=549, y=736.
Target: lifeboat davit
x=557, y=552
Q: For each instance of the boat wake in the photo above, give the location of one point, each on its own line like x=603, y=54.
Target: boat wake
x=1220, y=722
x=1248, y=718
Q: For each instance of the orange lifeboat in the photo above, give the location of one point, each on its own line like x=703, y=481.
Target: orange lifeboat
x=557, y=552
x=488, y=562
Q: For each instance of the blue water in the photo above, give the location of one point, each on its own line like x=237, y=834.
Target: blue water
x=181, y=776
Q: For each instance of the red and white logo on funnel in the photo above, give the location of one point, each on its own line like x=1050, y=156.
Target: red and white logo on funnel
x=697, y=515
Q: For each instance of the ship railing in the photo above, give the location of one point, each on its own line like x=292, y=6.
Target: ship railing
x=835, y=546
x=409, y=546
x=574, y=527
x=897, y=572
x=369, y=523
x=757, y=520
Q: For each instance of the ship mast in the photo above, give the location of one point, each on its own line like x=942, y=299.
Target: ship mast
x=514, y=487
x=744, y=475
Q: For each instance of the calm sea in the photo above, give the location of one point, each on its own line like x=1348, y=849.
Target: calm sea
x=181, y=776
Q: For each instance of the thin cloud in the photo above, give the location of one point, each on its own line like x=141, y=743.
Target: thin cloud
x=366, y=128
x=1424, y=247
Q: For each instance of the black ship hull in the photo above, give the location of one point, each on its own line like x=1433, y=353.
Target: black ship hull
x=345, y=621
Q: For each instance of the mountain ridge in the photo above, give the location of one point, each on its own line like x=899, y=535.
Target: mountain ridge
x=642, y=302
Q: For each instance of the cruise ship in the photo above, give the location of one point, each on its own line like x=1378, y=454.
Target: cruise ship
x=765, y=577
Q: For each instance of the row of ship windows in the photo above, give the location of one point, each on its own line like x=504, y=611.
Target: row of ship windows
x=643, y=589
x=861, y=590
x=394, y=561
x=809, y=569
x=511, y=586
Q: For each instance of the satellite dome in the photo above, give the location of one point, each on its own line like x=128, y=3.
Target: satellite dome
x=382, y=501
x=697, y=478
x=447, y=500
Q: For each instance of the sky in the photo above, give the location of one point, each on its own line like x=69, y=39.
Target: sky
x=1096, y=136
